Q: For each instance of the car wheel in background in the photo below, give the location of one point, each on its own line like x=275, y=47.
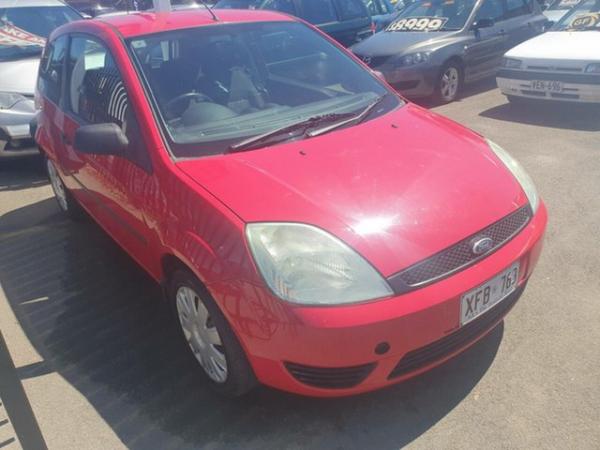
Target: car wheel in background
x=66, y=202
x=209, y=337
x=449, y=82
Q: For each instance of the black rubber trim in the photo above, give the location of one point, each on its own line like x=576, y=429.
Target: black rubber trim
x=564, y=77
x=330, y=377
x=441, y=348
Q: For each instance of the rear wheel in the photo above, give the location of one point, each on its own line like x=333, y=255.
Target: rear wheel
x=209, y=337
x=449, y=82
x=66, y=202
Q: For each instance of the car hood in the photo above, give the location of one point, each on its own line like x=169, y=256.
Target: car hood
x=397, y=189
x=19, y=75
x=395, y=42
x=565, y=45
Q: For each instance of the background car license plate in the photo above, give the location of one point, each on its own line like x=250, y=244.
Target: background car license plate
x=547, y=86
x=482, y=298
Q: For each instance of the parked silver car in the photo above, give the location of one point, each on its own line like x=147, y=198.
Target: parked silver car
x=24, y=27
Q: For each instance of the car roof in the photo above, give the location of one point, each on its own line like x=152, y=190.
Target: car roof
x=140, y=23
x=29, y=3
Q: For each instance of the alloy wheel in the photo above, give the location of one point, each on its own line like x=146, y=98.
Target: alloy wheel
x=201, y=334
x=449, y=83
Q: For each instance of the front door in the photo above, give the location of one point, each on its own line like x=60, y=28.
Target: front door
x=112, y=186
x=484, y=52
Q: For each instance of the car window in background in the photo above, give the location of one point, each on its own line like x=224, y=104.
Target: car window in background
x=51, y=69
x=453, y=14
x=238, y=4
x=318, y=11
x=584, y=17
x=374, y=7
x=351, y=9
x=516, y=8
x=248, y=79
x=23, y=30
x=284, y=6
x=490, y=9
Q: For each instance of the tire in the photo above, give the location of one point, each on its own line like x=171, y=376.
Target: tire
x=449, y=83
x=66, y=202
x=209, y=338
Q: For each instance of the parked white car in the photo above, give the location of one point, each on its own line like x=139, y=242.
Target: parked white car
x=562, y=64
x=24, y=27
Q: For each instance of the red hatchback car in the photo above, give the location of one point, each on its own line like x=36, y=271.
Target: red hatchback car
x=313, y=231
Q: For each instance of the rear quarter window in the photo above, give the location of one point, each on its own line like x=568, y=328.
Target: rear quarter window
x=52, y=68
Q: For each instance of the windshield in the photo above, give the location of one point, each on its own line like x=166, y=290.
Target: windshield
x=23, y=30
x=584, y=17
x=562, y=5
x=433, y=15
x=215, y=86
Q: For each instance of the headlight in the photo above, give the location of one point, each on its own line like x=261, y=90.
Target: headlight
x=411, y=59
x=593, y=68
x=519, y=173
x=9, y=99
x=304, y=264
x=511, y=63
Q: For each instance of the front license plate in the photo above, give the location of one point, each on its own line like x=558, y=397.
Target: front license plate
x=547, y=86
x=482, y=298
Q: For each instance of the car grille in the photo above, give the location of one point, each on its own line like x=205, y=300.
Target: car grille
x=574, y=78
x=330, y=377
x=460, y=255
x=374, y=61
x=441, y=348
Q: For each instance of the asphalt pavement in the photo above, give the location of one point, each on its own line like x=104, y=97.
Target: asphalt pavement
x=101, y=367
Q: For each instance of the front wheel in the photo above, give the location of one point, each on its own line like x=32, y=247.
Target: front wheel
x=209, y=337
x=449, y=83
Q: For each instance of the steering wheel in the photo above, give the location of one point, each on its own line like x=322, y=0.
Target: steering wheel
x=187, y=96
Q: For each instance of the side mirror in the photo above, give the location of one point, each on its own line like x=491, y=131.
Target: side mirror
x=100, y=139
x=484, y=23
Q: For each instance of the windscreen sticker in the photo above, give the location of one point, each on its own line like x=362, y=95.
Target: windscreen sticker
x=11, y=35
x=417, y=24
x=589, y=20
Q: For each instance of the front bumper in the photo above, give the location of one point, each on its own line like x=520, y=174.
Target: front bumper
x=413, y=82
x=576, y=87
x=15, y=135
x=367, y=346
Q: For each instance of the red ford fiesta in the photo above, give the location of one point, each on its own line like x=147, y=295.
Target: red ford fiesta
x=312, y=230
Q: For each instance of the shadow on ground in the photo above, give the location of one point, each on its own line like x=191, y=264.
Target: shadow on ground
x=21, y=173
x=562, y=115
x=97, y=319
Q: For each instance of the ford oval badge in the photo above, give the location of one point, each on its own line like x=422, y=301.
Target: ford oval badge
x=482, y=245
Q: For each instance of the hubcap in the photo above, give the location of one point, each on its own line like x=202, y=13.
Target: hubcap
x=57, y=186
x=201, y=334
x=449, y=84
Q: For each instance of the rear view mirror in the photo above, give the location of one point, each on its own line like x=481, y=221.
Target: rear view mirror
x=484, y=23
x=100, y=139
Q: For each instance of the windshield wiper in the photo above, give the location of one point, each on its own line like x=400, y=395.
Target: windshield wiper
x=285, y=133
x=355, y=119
